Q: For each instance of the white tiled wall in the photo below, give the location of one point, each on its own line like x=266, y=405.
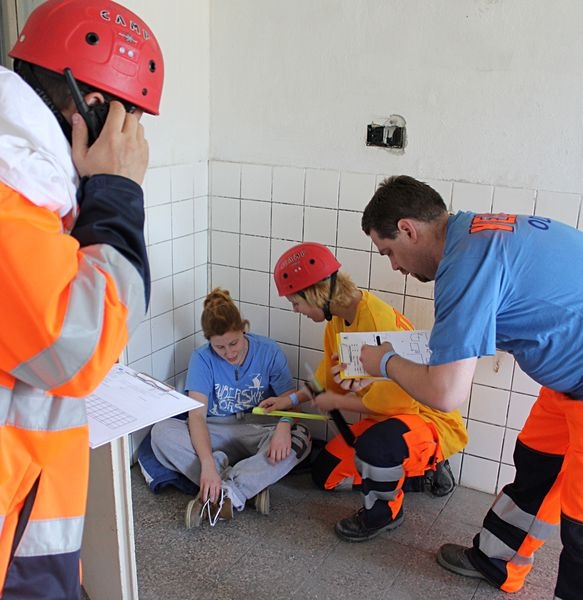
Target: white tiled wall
x=259, y=211
x=254, y=214
x=177, y=235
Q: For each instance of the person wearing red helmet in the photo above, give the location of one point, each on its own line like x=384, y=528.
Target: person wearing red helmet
x=74, y=269
x=399, y=437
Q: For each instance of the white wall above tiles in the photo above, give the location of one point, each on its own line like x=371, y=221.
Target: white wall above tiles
x=465, y=74
x=180, y=134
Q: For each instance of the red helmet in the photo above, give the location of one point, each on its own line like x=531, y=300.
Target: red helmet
x=303, y=266
x=105, y=45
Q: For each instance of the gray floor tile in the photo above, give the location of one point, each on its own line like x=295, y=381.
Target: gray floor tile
x=294, y=553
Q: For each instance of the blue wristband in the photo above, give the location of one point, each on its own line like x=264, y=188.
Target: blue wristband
x=286, y=420
x=294, y=400
x=384, y=360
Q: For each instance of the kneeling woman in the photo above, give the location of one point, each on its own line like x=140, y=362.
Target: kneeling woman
x=232, y=455
x=399, y=437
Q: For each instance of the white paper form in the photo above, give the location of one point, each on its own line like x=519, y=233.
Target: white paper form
x=412, y=345
x=127, y=401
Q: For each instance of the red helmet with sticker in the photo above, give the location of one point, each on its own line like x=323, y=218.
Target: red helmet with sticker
x=105, y=45
x=303, y=266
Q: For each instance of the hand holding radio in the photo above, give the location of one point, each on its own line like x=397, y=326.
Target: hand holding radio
x=107, y=137
x=120, y=148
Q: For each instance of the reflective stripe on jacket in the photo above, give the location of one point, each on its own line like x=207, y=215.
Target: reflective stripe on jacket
x=66, y=309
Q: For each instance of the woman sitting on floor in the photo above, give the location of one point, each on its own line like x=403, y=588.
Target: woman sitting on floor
x=231, y=454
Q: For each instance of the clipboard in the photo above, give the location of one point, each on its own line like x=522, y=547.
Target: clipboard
x=412, y=345
x=127, y=401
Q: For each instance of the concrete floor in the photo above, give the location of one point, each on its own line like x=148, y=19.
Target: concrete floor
x=294, y=553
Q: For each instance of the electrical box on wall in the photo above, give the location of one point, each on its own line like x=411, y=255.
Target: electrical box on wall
x=390, y=134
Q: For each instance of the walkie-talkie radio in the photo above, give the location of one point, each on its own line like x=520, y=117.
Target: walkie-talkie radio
x=94, y=115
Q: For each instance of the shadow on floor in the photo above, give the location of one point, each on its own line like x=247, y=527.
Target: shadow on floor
x=294, y=553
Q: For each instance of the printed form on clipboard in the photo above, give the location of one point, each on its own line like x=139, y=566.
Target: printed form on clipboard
x=127, y=401
x=412, y=345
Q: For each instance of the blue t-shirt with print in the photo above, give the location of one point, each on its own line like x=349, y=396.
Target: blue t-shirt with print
x=515, y=283
x=232, y=389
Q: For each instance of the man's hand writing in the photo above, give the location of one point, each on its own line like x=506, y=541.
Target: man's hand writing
x=370, y=357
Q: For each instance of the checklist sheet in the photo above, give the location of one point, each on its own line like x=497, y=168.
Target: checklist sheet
x=412, y=345
x=127, y=401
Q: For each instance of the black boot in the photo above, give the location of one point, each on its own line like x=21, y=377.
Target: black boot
x=354, y=529
x=443, y=481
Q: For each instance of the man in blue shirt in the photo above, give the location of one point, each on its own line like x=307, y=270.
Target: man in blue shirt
x=510, y=282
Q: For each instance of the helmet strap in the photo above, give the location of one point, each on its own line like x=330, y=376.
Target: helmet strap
x=326, y=307
x=26, y=71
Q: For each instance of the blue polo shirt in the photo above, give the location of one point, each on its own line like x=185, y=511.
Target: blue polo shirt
x=515, y=283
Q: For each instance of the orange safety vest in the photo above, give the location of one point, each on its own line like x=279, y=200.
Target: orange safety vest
x=63, y=323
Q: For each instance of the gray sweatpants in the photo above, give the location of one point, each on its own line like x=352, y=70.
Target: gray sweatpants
x=240, y=449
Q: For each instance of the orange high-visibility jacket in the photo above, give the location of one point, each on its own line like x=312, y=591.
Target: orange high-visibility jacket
x=67, y=304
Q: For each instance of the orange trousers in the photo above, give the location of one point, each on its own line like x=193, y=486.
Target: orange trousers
x=547, y=490
x=385, y=453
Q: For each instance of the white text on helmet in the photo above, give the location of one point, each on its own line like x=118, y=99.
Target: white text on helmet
x=293, y=258
x=119, y=20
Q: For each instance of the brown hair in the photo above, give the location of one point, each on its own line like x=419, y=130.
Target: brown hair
x=220, y=314
x=319, y=293
x=401, y=197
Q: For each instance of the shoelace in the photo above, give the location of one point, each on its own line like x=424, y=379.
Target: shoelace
x=208, y=505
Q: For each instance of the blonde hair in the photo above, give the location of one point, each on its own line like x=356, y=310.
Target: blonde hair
x=318, y=294
x=220, y=314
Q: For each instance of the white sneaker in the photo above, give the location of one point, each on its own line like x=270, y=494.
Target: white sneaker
x=262, y=502
x=222, y=509
x=198, y=510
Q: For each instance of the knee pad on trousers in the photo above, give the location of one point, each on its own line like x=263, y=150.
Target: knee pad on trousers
x=383, y=444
